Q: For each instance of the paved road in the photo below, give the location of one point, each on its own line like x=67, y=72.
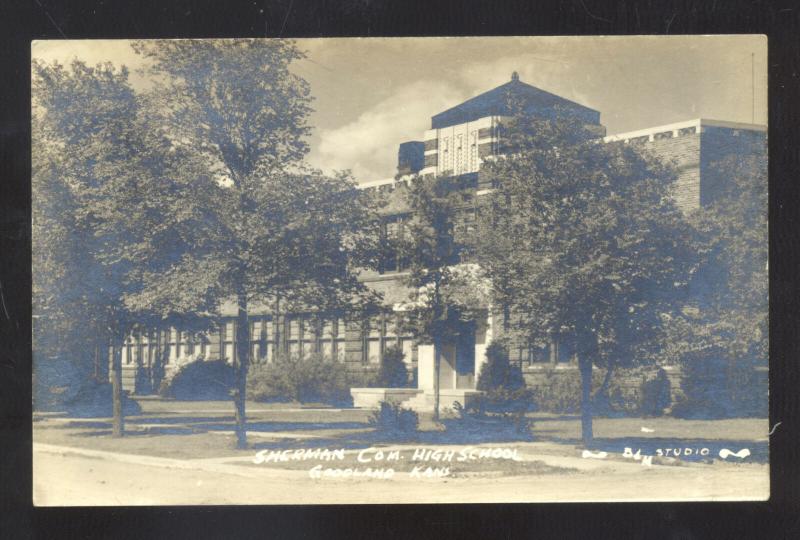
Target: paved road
x=64, y=477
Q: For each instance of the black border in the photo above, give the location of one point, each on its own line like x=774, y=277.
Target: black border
x=24, y=20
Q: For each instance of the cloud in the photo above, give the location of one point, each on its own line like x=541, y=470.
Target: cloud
x=368, y=145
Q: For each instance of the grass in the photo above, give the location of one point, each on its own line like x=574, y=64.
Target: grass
x=194, y=430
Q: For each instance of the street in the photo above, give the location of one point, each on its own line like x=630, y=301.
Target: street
x=64, y=476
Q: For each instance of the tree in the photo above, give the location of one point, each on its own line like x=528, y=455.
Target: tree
x=725, y=327
x=85, y=136
x=436, y=314
x=281, y=234
x=588, y=245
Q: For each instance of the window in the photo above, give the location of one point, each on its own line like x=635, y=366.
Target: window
x=383, y=332
x=459, y=159
x=228, y=342
x=393, y=232
x=129, y=350
x=173, y=346
x=327, y=337
x=538, y=354
x=294, y=337
x=373, y=341
x=309, y=335
x=473, y=151
x=339, y=342
x=201, y=344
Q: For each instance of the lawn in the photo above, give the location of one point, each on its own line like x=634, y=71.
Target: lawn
x=204, y=429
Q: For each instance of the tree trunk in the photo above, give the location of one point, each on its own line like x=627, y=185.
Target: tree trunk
x=585, y=367
x=601, y=397
x=241, y=365
x=437, y=351
x=118, y=427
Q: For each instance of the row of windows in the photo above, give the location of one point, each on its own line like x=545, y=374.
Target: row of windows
x=145, y=346
x=303, y=337
x=460, y=160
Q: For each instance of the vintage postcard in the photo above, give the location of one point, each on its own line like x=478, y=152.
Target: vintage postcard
x=407, y=270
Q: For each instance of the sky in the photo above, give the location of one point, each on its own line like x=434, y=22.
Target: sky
x=371, y=94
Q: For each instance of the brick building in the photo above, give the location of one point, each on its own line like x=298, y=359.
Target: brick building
x=459, y=141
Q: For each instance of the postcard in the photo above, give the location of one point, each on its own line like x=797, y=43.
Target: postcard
x=400, y=270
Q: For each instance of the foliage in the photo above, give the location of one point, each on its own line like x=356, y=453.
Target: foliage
x=93, y=400
x=434, y=312
x=558, y=393
x=310, y=379
x=393, y=421
x=655, y=394
x=642, y=391
x=56, y=381
x=503, y=386
x=199, y=380
x=722, y=336
x=584, y=242
x=393, y=372
x=714, y=385
x=275, y=232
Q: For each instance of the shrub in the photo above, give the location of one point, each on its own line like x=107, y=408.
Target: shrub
x=505, y=395
x=55, y=382
x=655, y=394
x=559, y=393
x=631, y=392
x=394, y=421
x=199, y=380
x=498, y=372
x=94, y=400
x=393, y=372
x=311, y=379
x=714, y=386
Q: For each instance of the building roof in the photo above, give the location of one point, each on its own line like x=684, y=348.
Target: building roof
x=499, y=102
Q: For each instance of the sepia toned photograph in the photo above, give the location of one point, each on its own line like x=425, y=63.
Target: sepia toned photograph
x=400, y=270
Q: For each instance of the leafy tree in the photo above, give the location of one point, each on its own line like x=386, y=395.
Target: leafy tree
x=273, y=231
x=725, y=326
x=598, y=251
x=85, y=140
x=436, y=313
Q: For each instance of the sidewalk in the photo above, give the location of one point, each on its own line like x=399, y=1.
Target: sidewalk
x=241, y=465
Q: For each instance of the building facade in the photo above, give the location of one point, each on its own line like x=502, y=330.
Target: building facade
x=457, y=144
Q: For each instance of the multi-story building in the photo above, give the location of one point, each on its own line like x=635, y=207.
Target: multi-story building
x=459, y=141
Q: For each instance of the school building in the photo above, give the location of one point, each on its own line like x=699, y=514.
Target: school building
x=459, y=141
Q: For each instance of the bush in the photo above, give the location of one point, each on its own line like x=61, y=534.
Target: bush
x=655, y=394
x=641, y=391
x=714, y=386
x=95, y=400
x=394, y=421
x=502, y=383
x=393, y=372
x=559, y=393
x=55, y=382
x=199, y=380
x=312, y=379
x=498, y=372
